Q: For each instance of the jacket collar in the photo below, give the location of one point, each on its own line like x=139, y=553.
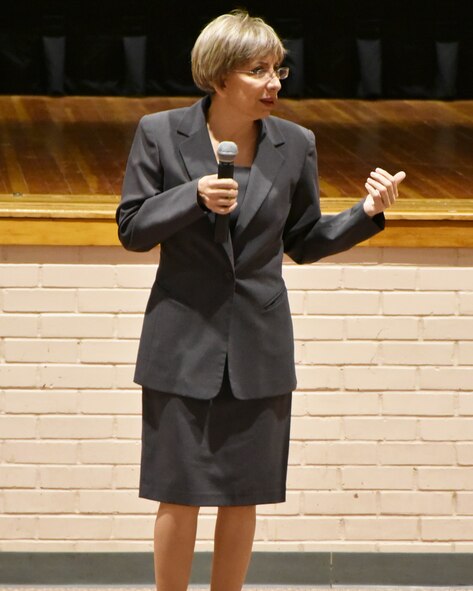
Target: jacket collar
x=199, y=160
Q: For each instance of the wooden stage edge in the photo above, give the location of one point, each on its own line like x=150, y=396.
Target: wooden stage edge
x=62, y=221
x=62, y=162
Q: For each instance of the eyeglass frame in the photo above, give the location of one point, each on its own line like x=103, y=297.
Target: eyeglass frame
x=265, y=72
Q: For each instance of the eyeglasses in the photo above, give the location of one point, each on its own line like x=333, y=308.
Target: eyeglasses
x=265, y=73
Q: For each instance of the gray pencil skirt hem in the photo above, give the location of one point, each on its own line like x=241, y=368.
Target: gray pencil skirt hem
x=219, y=452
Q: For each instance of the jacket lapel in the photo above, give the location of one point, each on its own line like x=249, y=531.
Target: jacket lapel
x=197, y=152
x=264, y=170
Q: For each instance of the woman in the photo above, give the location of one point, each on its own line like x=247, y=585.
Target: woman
x=216, y=353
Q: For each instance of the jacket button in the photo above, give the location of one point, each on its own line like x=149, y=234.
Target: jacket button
x=229, y=275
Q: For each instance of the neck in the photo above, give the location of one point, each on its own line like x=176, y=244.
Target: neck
x=228, y=126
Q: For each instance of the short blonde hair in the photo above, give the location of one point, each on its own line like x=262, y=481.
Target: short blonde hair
x=229, y=41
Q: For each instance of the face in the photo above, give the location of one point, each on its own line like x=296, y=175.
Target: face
x=247, y=95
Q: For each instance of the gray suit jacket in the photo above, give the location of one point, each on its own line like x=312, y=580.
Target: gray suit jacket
x=211, y=301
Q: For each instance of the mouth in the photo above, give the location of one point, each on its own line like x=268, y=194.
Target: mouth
x=269, y=102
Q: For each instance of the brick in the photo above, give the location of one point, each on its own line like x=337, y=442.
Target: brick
x=416, y=453
x=124, y=377
x=465, y=404
x=138, y=276
x=307, y=528
x=78, y=276
x=318, y=327
x=421, y=303
x=437, y=278
x=110, y=452
x=105, y=402
x=342, y=302
x=296, y=453
x=297, y=301
x=315, y=428
x=40, y=452
x=76, y=376
x=74, y=527
x=17, y=427
x=292, y=506
x=310, y=277
x=133, y=528
x=453, y=528
x=466, y=303
x=446, y=430
x=377, y=478
x=112, y=300
x=38, y=501
x=416, y=353
x=108, y=351
x=75, y=477
x=67, y=427
x=379, y=378
x=18, y=376
x=340, y=353
x=19, y=325
x=415, y=503
x=19, y=275
x=41, y=350
x=381, y=528
x=40, y=401
x=445, y=378
x=318, y=378
x=339, y=503
x=445, y=478
x=303, y=478
x=126, y=476
x=112, y=501
x=129, y=326
x=382, y=328
x=418, y=404
x=465, y=354
x=39, y=300
x=339, y=403
x=341, y=453
x=299, y=404
x=14, y=528
x=17, y=476
x=447, y=329
x=379, y=278
x=379, y=428
x=77, y=326
x=128, y=427
x=464, y=453
x=464, y=503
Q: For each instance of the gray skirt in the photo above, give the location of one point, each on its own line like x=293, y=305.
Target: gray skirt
x=217, y=452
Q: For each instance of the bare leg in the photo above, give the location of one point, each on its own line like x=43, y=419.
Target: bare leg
x=234, y=534
x=174, y=541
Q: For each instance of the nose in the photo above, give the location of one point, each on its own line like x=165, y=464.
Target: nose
x=274, y=82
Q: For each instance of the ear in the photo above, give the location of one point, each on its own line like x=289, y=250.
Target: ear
x=220, y=89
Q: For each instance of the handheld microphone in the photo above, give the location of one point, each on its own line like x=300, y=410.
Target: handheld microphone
x=226, y=153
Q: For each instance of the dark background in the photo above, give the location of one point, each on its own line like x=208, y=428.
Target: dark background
x=337, y=48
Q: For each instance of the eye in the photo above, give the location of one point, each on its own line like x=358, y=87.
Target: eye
x=259, y=71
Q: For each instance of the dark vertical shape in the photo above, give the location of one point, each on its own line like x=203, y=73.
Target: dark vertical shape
x=368, y=46
x=54, y=46
x=134, y=45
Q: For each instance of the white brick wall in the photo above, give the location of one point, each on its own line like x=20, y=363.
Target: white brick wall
x=381, y=456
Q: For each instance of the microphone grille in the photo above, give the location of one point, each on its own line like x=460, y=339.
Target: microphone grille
x=227, y=151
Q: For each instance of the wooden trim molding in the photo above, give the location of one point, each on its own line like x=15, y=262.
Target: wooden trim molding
x=88, y=220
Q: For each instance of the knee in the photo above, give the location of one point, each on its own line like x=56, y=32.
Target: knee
x=178, y=511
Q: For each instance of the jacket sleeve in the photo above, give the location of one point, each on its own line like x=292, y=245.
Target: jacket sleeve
x=309, y=235
x=147, y=215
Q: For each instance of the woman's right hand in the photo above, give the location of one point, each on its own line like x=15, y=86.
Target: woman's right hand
x=218, y=195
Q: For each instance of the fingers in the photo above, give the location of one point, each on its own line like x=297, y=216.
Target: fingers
x=218, y=195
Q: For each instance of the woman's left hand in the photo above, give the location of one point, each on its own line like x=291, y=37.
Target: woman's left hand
x=382, y=190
